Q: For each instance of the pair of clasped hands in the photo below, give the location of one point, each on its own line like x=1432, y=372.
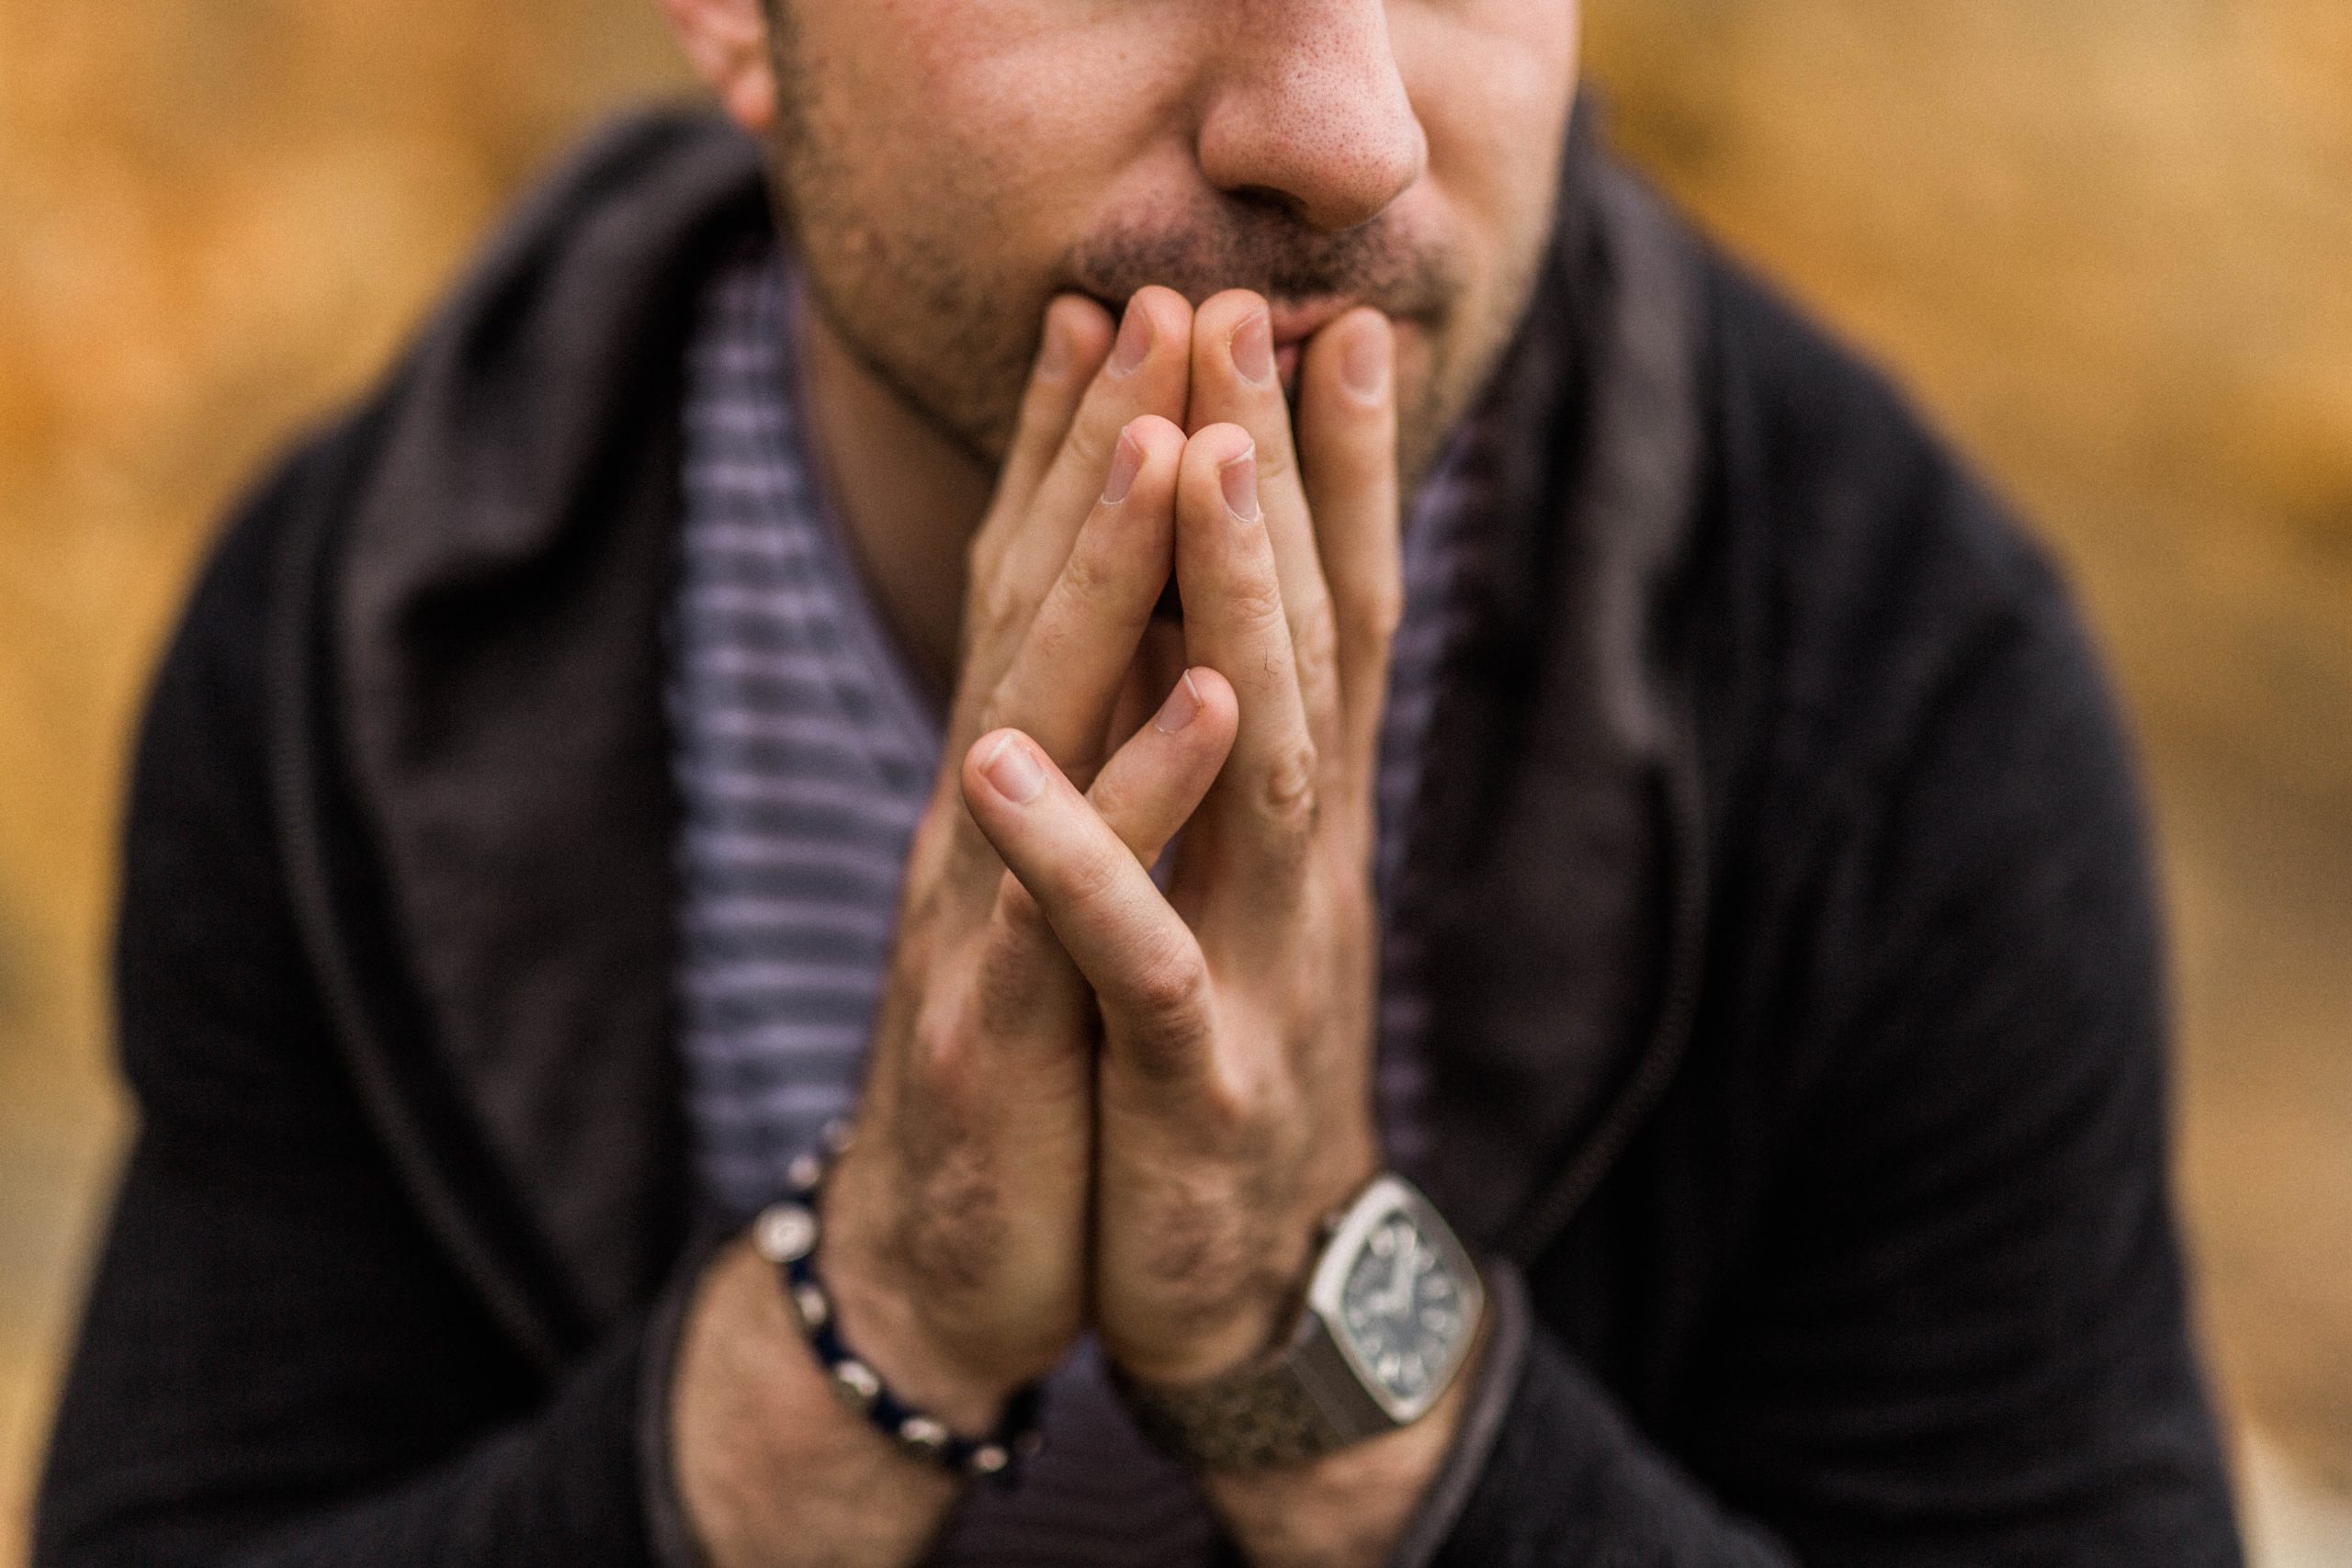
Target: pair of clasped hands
x=1090, y=1103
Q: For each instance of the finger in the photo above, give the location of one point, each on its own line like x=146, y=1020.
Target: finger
x=1261, y=812
x=1152, y=784
x=1144, y=373
x=1235, y=381
x=1160, y=661
x=1029, y=989
x=1066, y=677
x=1347, y=441
x=1133, y=950
x=1071, y=346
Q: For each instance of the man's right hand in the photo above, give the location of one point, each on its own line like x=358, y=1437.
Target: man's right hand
x=955, y=1229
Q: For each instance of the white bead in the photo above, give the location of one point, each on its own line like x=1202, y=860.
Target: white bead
x=922, y=1434
x=855, y=1382
x=783, y=1233
x=808, y=1303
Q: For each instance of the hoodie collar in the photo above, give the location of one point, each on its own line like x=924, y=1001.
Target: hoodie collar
x=1565, y=811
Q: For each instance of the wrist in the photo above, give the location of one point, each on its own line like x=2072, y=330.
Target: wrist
x=880, y=1328
x=1348, y=1508
x=764, y=1457
x=880, y=1315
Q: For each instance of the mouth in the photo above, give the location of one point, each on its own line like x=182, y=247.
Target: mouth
x=1294, y=321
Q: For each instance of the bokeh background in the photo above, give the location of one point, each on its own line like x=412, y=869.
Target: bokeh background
x=2108, y=242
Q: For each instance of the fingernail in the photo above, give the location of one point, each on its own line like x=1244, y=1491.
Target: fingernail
x=1364, y=366
x=1127, y=462
x=1053, y=353
x=1183, y=706
x=1253, y=349
x=1013, y=772
x=1134, y=340
x=1238, y=478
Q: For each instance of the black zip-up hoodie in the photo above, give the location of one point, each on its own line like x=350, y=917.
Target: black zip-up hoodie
x=1799, y=1041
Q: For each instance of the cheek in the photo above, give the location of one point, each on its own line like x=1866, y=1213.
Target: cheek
x=941, y=159
x=1415, y=370
x=1001, y=126
x=1493, y=82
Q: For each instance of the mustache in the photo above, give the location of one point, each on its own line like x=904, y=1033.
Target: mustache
x=1376, y=264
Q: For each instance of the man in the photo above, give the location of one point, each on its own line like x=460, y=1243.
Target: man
x=1354, y=648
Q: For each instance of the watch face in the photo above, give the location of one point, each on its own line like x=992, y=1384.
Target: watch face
x=1403, y=1313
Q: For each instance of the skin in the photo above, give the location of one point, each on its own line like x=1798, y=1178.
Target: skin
x=1108, y=296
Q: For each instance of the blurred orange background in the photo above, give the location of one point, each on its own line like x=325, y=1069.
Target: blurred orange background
x=2106, y=242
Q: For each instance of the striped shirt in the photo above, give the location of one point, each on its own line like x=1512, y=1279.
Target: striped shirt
x=805, y=752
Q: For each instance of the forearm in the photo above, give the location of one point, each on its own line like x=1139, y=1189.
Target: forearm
x=1392, y=1500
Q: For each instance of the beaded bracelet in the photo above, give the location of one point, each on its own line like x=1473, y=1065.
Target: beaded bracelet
x=786, y=1235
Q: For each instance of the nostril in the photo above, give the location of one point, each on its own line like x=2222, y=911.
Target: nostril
x=1270, y=198
x=1304, y=112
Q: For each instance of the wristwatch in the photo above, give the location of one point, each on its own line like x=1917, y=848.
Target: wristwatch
x=1393, y=1307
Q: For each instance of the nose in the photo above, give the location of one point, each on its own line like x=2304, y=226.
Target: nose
x=1306, y=107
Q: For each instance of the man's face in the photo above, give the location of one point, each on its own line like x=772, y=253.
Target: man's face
x=948, y=166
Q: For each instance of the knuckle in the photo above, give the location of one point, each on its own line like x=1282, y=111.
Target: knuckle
x=941, y=1037
x=1168, y=987
x=998, y=617
x=1287, y=798
x=1090, y=574
x=1090, y=881
x=1380, y=610
x=1256, y=601
x=1051, y=638
x=1275, y=463
x=1316, y=633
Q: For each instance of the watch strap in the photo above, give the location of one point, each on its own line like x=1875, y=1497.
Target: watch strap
x=1256, y=1417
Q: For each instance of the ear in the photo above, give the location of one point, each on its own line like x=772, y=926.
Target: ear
x=727, y=42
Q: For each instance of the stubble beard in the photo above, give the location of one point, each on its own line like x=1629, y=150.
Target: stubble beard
x=954, y=343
